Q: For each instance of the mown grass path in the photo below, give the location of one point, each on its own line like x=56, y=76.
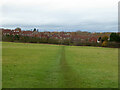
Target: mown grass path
x=71, y=78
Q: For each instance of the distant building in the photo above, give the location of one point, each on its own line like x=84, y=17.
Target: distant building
x=27, y=33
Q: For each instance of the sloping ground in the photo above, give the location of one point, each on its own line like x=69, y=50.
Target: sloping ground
x=54, y=66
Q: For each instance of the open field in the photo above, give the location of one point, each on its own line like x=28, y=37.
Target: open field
x=54, y=66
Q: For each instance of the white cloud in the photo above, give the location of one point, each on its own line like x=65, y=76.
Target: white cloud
x=59, y=12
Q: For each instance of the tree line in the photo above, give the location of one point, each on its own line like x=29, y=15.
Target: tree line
x=113, y=41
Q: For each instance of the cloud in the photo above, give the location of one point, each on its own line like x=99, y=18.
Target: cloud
x=87, y=14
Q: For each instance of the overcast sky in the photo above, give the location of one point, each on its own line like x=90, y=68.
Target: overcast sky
x=59, y=15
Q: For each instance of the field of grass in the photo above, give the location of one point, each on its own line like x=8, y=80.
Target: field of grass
x=53, y=66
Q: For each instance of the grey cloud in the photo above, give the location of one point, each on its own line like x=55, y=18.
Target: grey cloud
x=43, y=17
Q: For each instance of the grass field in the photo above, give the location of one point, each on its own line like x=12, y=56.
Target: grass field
x=54, y=66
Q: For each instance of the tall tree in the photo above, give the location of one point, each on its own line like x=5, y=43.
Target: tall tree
x=115, y=37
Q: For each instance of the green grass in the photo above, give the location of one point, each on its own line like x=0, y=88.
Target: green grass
x=53, y=66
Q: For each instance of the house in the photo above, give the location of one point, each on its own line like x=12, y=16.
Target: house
x=11, y=32
x=93, y=39
x=16, y=32
x=27, y=33
x=6, y=32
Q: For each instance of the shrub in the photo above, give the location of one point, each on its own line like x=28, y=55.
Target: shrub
x=114, y=44
x=53, y=41
x=105, y=38
x=115, y=37
x=104, y=44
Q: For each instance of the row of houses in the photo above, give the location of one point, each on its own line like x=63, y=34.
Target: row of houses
x=16, y=32
x=57, y=35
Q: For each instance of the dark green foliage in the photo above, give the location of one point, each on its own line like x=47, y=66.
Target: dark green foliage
x=16, y=37
x=19, y=29
x=99, y=39
x=66, y=42
x=53, y=41
x=43, y=40
x=35, y=29
x=115, y=37
x=113, y=44
x=8, y=38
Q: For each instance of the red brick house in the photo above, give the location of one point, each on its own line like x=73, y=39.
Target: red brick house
x=6, y=32
x=93, y=39
x=27, y=33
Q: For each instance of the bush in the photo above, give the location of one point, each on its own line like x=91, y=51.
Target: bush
x=105, y=38
x=66, y=42
x=113, y=44
x=104, y=44
x=115, y=37
x=53, y=41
